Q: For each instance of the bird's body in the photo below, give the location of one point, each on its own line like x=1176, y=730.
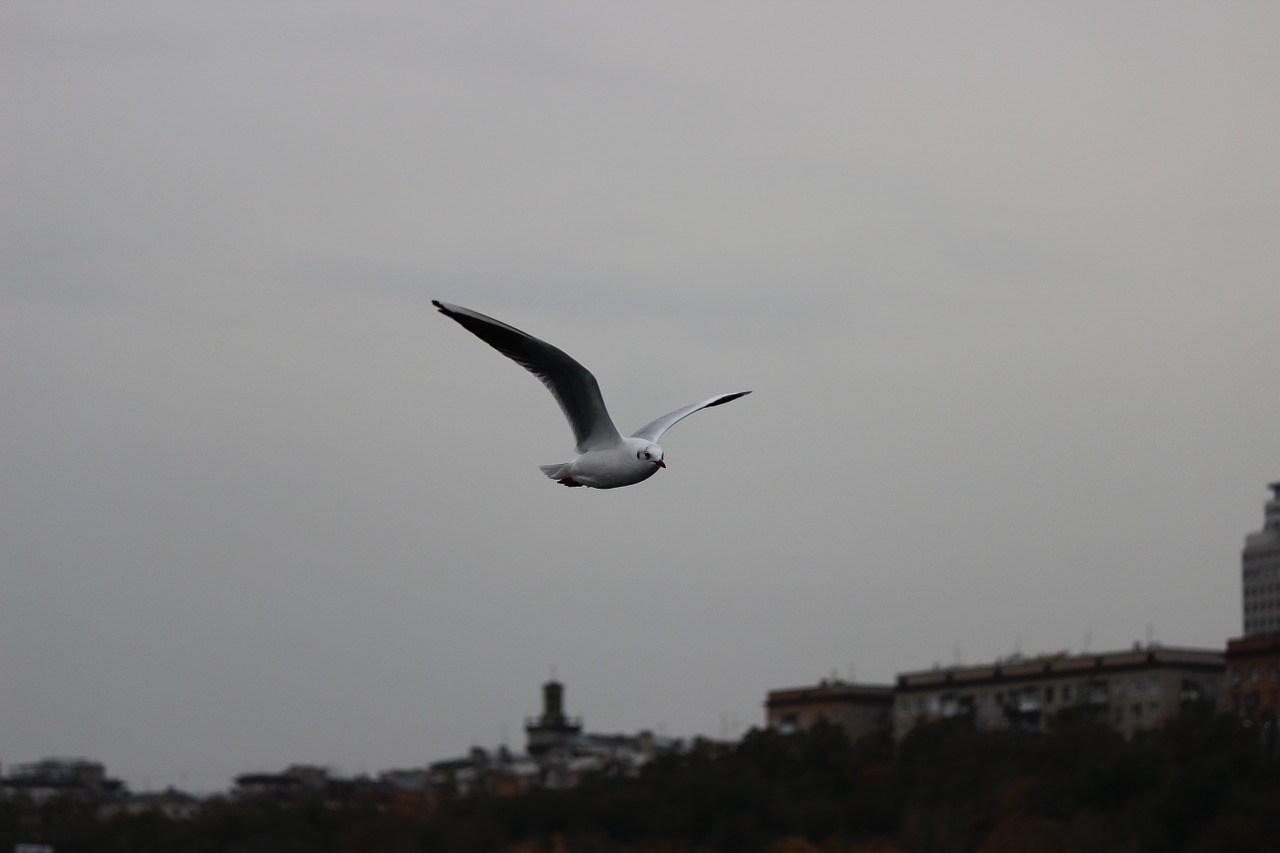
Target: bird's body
x=608, y=468
x=606, y=459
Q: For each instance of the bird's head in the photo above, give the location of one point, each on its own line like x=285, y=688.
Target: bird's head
x=651, y=453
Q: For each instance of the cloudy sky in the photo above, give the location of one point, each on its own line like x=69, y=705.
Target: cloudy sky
x=1002, y=276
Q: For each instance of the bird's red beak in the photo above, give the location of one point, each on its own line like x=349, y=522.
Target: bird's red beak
x=659, y=463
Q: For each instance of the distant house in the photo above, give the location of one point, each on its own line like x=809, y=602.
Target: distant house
x=1253, y=677
x=857, y=708
x=78, y=778
x=297, y=781
x=408, y=779
x=500, y=772
x=169, y=803
x=302, y=783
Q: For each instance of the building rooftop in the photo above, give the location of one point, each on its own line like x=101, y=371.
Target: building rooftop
x=1060, y=664
x=830, y=690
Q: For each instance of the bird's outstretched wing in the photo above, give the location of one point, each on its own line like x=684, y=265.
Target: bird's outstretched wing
x=653, y=430
x=573, y=386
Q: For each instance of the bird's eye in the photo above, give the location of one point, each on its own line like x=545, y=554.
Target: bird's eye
x=646, y=454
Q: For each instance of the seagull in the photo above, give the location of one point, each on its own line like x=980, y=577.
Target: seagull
x=605, y=459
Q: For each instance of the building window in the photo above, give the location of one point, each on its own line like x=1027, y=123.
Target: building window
x=1048, y=694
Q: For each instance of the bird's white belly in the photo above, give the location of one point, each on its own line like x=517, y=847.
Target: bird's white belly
x=609, y=469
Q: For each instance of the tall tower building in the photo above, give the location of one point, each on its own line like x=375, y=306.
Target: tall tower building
x=1260, y=572
x=554, y=728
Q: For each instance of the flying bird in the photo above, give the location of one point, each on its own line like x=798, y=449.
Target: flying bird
x=605, y=459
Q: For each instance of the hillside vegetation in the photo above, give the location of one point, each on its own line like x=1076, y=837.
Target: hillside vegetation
x=1203, y=783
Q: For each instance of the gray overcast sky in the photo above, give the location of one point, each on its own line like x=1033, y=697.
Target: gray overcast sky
x=1003, y=277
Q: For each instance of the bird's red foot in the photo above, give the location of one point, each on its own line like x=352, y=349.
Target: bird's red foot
x=568, y=481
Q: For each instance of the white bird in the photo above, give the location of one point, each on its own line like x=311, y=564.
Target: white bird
x=605, y=459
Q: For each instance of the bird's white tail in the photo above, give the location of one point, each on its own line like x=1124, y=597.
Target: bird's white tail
x=556, y=472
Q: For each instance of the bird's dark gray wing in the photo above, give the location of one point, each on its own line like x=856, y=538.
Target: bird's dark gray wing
x=573, y=386
x=653, y=430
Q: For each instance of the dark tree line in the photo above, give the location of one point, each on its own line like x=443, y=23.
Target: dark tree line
x=1202, y=783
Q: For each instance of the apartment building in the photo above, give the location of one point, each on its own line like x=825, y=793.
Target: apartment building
x=1128, y=690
